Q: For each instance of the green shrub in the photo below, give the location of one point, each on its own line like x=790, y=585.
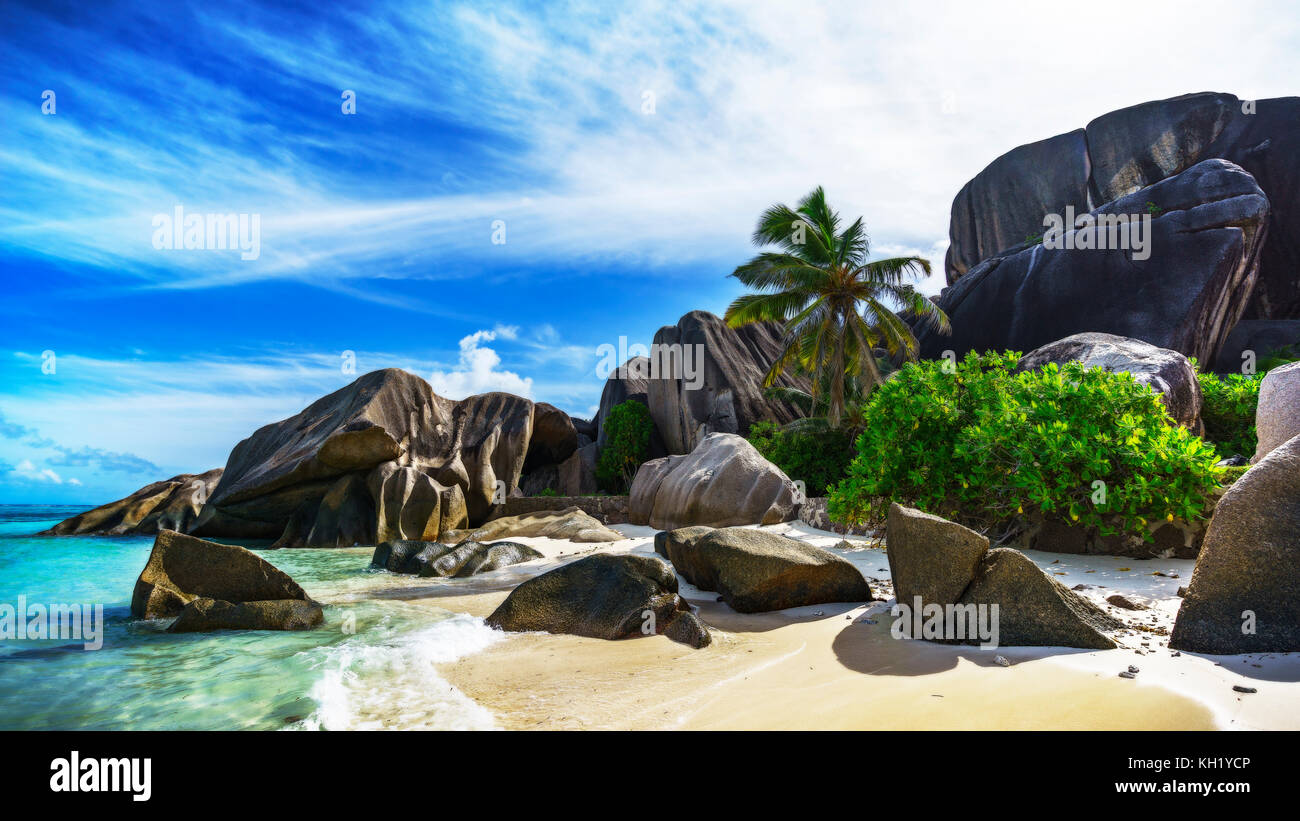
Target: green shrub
x=985, y=445
x=1228, y=410
x=628, y=439
x=818, y=458
x=549, y=491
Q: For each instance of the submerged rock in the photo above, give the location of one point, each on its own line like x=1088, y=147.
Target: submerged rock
x=756, y=571
x=603, y=596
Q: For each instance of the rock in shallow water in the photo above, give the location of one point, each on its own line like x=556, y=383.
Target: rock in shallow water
x=183, y=568
x=203, y=615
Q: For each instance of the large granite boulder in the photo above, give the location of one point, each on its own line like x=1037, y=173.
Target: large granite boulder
x=182, y=568
x=571, y=523
x=1168, y=373
x=603, y=596
x=1189, y=292
x=755, y=571
x=172, y=504
x=554, y=437
x=931, y=557
x=1244, y=596
x=1132, y=148
x=576, y=476
x=202, y=615
x=1035, y=610
x=344, y=517
x=449, y=561
x=425, y=464
x=716, y=385
x=1277, y=417
x=724, y=481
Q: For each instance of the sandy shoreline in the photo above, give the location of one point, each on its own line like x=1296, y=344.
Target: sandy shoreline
x=829, y=667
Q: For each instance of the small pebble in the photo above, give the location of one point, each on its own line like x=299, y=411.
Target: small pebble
x=1002, y=661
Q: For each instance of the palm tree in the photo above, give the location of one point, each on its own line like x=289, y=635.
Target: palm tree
x=829, y=298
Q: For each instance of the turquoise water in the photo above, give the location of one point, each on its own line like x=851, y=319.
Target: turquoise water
x=371, y=665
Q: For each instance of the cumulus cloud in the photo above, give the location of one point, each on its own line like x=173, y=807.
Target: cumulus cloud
x=477, y=370
x=26, y=469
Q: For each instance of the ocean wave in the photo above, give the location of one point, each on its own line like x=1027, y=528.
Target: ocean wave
x=385, y=679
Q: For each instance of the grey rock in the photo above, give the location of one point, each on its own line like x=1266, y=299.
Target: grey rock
x=1250, y=563
x=1168, y=373
x=756, y=571
x=930, y=556
x=602, y=596
x=724, y=481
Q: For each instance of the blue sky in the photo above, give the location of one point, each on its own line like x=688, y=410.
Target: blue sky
x=377, y=227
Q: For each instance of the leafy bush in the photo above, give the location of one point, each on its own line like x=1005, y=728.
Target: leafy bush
x=549, y=491
x=1228, y=409
x=818, y=458
x=630, y=426
x=985, y=445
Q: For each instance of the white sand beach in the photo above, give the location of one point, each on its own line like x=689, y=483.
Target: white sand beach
x=837, y=666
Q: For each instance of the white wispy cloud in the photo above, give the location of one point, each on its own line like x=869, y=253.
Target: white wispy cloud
x=752, y=103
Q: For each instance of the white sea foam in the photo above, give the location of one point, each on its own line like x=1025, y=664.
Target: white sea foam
x=391, y=683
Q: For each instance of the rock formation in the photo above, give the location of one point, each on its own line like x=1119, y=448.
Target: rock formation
x=213, y=586
x=603, y=596
x=1244, y=596
x=1204, y=243
x=1277, y=416
x=946, y=564
x=724, y=481
x=172, y=504
x=1166, y=372
x=1126, y=150
x=755, y=571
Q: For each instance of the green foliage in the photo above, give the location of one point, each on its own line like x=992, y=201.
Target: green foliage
x=985, y=445
x=1228, y=410
x=1279, y=357
x=629, y=428
x=818, y=458
x=550, y=491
